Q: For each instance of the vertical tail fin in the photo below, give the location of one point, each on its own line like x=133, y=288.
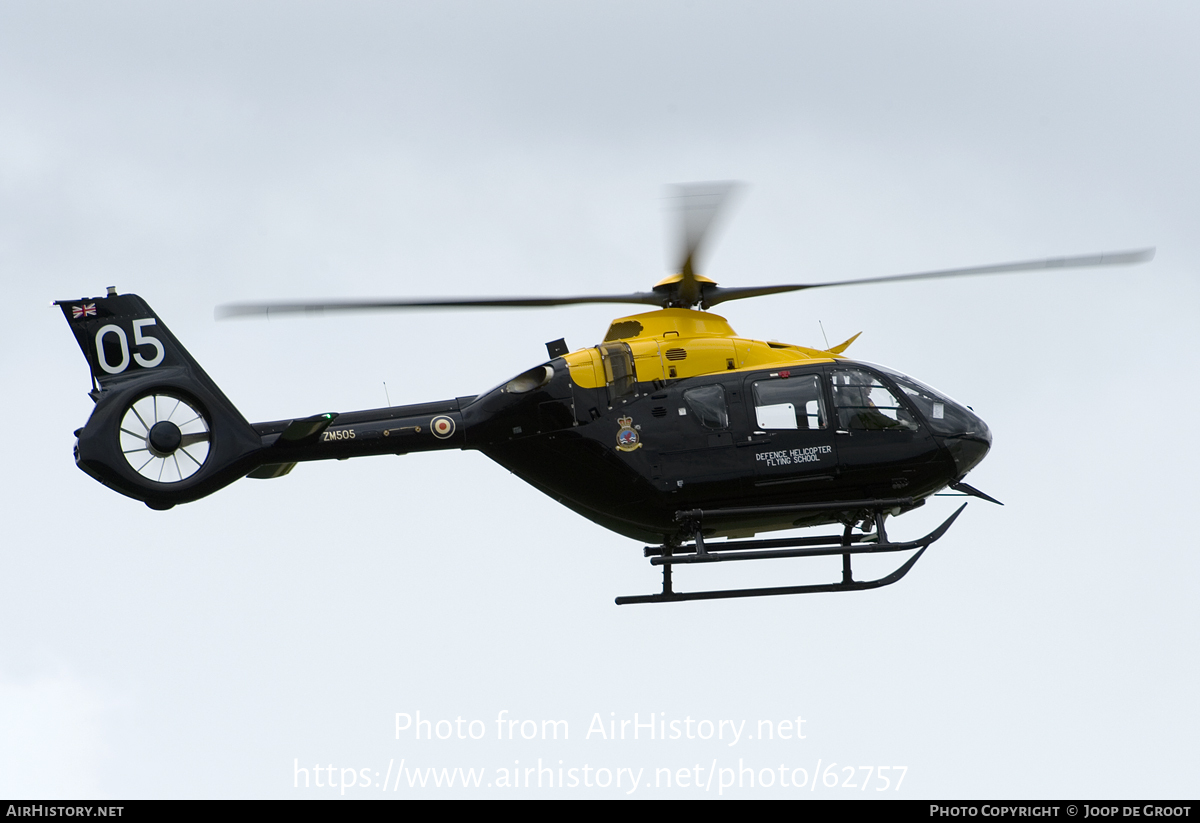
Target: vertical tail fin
x=161, y=432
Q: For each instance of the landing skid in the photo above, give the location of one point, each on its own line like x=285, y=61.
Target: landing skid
x=846, y=545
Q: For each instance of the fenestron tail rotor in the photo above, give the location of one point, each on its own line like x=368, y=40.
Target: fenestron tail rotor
x=164, y=438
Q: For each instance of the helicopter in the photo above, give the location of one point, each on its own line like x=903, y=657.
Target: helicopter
x=673, y=430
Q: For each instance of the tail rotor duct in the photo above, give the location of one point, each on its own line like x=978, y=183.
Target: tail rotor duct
x=164, y=438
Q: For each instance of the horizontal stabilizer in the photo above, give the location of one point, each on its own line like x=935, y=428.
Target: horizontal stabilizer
x=271, y=470
x=306, y=428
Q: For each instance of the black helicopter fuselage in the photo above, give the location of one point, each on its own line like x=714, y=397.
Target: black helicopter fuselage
x=631, y=462
x=628, y=433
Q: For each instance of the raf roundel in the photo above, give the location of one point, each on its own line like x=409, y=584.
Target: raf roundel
x=442, y=427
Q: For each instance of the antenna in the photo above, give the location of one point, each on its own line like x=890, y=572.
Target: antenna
x=822, y=325
x=385, y=394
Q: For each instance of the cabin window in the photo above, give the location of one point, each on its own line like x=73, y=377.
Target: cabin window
x=707, y=404
x=789, y=403
x=864, y=403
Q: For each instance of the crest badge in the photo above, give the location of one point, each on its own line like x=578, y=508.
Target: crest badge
x=627, y=437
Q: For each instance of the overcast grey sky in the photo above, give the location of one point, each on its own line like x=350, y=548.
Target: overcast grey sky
x=202, y=153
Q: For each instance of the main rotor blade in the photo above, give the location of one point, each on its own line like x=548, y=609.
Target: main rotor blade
x=267, y=309
x=698, y=206
x=714, y=295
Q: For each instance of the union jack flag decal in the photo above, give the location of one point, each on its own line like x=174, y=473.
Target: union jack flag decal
x=84, y=310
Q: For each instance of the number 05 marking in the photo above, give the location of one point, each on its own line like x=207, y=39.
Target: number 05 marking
x=139, y=339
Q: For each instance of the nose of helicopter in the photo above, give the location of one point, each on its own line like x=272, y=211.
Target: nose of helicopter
x=969, y=444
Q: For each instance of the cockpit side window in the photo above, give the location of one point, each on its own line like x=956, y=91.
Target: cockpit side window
x=619, y=372
x=864, y=403
x=789, y=403
x=707, y=404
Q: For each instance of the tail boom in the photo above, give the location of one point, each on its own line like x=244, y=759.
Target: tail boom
x=163, y=433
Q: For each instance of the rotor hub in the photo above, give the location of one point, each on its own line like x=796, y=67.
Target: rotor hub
x=164, y=438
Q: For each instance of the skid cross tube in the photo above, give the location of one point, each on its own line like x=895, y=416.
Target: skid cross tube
x=713, y=556
x=668, y=556
x=838, y=505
